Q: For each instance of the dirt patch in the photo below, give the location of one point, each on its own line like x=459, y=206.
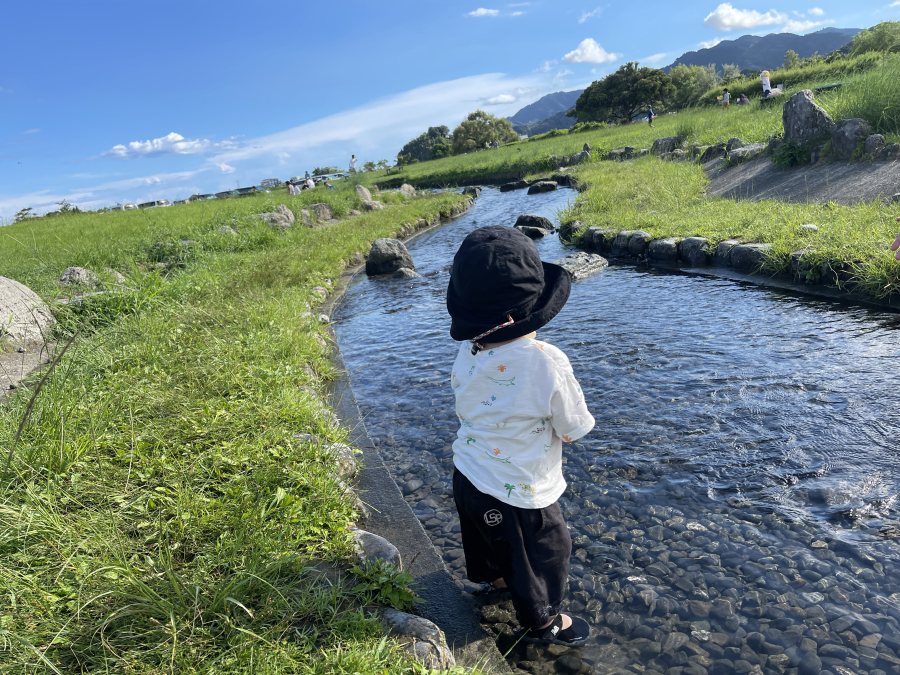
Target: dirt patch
x=839, y=182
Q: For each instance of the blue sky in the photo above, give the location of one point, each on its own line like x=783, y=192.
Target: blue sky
x=105, y=102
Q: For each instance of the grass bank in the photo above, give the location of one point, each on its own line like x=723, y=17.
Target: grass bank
x=667, y=199
x=159, y=513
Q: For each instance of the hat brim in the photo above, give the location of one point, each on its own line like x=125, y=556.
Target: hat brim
x=557, y=286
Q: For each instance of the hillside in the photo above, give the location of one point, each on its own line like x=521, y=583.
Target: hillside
x=752, y=52
x=545, y=107
x=557, y=121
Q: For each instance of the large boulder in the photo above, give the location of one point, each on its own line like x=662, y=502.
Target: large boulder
x=694, y=251
x=570, y=229
x=278, y=220
x=542, y=186
x=586, y=147
x=582, y=264
x=515, y=185
x=804, y=119
x=747, y=152
x=387, y=256
x=322, y=211
x=421, y=639
x=23, y=315
x=534, y=220
x=666, y=144
x=472, y=190
x=363, y=193
x=286, y=212
x=664, y=250
x=372, y=205
x=638, y=243
x=620, y=244
x=722, y=257
x=78, y=276
x=408, y=190
x=713, y=152
x=734, y=143
x=874, y=143
x=747, y=257
x=846, y=135
x=889, y=152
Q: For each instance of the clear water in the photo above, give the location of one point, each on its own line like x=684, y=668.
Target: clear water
x=713, y=398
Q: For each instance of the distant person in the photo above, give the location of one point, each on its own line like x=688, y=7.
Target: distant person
x=310, y=184
x=726, y=100
x=743, y=100
x=307, y=175
x=329, y=185
x=766, y=83
x=353, y=163
x=290, y=187
x=650, y=116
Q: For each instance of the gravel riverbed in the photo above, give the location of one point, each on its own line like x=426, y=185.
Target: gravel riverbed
x=735, y=509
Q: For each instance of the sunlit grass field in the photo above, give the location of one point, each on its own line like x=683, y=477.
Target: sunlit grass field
x=158, y=512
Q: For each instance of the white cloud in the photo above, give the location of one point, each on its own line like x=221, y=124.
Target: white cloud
x=655, y=58
x=706, y=44
x=547, y=66
x=517, y=14
x=171, y=144
x=726, y=17
x=800, y=26
x=893, y=4
x=590, y=15
x=32, y=131
x=590, y=52
x=818, y=11
x=503, y=98
x=224, y=168
x=481, y=11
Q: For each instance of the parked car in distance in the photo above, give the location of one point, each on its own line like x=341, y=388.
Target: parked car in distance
x=181, y=201
x=154, y=204
x=130, y=207
x=270, y=183
x=247, y=191
x=117, y=207
x=225, y=194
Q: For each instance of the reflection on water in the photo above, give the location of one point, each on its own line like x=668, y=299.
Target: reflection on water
x=743, y=474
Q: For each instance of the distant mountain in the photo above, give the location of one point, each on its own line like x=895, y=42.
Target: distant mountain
x=557, y=121
x=751, y=52
x=545, y=107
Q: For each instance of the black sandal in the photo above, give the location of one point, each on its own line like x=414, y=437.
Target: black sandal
x=576, y=634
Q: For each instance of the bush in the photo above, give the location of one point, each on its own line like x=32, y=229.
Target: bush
x=790, y=153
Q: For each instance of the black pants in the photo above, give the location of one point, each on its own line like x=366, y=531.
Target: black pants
x=528, y=548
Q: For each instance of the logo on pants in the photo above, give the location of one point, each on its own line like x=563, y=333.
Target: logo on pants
x=493, y=517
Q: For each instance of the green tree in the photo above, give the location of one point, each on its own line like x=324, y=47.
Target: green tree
x=441, y=150
x=479, y=128
x=322, y=170
x=25, y=214
x=691, y=82
x=620, y=95
x=883, y=37
x=791, y=60
x=730, y=71
x=383, y=164
x=368, y=166
x=421, y=147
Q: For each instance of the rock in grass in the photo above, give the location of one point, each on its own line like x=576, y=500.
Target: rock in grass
x=322, y=211
x=582, y=264
x=722, y=257
x=874, y=143
x=542, y=186
x=286, y=212
x=620, y=244
x=24, y=315
x=747, y=257
x=734, y=144
x=79, y=276
x=371, y=547
x=889, y=152
x=227, y=231
x=666, y=144
x=472, y=190
x=664, y=250
x=408, y=190
x=803, y=118
x=638, y=243
x=421, y=639
x=277, y=220
x=747, y=152
x=387, y=256
x=372, y=205
x=363, y=193
x=846, y=135
x=713, y=152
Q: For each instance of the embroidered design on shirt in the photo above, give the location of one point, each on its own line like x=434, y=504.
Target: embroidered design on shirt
x=566, y=439
x=496, y=456
x=509, y=488
x=501, y=368
x=539, y=430
x=471, y=370
x=500, y=425
x=493, y=517
x=527, y=488
x=486, y=403
x=505, y=383
x=547, y=447
x=491, y=353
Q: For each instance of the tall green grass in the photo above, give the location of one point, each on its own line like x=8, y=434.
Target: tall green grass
x=667, y=199
x=161, y=515
x=873, y=96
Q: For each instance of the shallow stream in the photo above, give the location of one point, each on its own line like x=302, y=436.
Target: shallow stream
x=742, y=478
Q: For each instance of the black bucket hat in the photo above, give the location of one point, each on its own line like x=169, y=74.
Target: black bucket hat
x=497, y=272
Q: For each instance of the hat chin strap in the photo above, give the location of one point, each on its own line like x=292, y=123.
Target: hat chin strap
x=477, y=347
